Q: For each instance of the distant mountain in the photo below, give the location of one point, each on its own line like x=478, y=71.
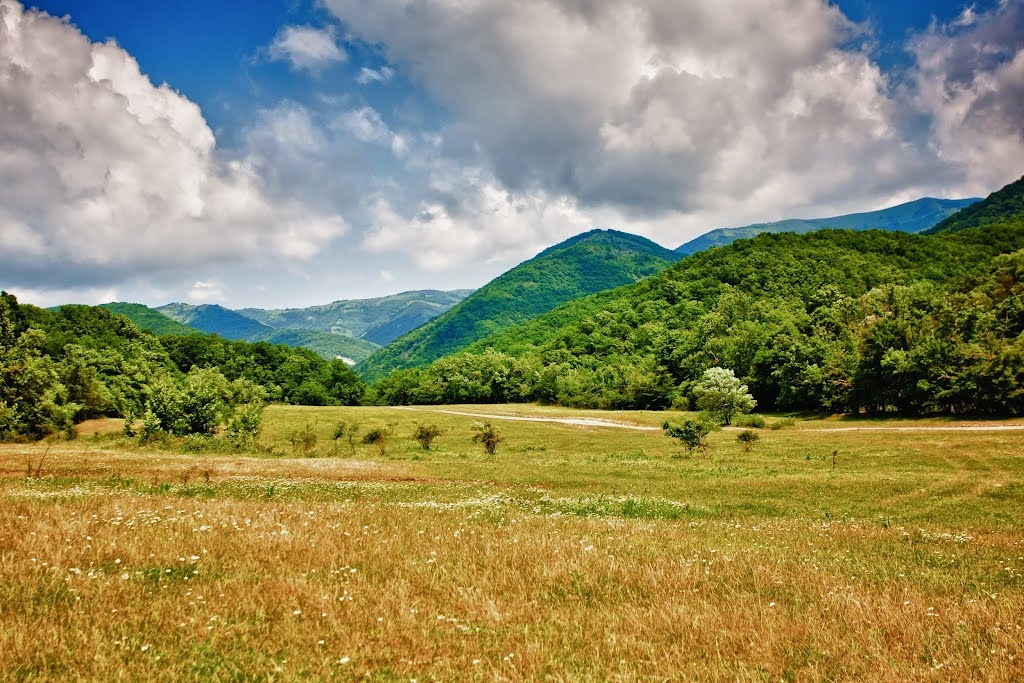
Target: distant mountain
x=215, y=319
x=147, y=318
x=324, y=344
x=915, y=216
x=585, y=264
x=999, y=207
x=379, y=320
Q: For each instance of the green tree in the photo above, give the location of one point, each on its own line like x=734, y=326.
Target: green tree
x=720, y=393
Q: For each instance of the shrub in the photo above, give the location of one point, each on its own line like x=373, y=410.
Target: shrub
x=754, y=421
x=378, y=437
x=426, y=434
x=692, y=433
x=748, y=438
x=782, y=424
x=487, y=435
x=304, y=439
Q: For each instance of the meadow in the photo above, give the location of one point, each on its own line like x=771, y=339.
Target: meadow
x=868, y=550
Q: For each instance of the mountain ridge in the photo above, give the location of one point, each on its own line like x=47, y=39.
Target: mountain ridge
x=913, y=217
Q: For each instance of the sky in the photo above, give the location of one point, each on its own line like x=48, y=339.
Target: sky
x=286, y=153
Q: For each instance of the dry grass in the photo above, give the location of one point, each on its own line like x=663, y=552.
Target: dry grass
x=575, y=553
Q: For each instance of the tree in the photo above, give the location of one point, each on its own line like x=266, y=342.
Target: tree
x=721, y=394
x=692, y=433
x=487, y=435
x=426, y=434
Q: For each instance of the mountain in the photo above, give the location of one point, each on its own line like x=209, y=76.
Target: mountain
x=324, y=344
x=1000, y=206
x=915, y=216
x=379, y=320
x=216, y=319
x=146, y=318
x=834, y=320
x=584, y=264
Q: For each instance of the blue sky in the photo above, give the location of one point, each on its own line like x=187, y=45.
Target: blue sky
x=307, y=151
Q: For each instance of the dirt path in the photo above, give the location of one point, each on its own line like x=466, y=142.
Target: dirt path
x=598, y=422
x=578, y=421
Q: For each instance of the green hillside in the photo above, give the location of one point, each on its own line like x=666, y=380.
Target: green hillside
x=215, y=319
x=1002, y=205
x=379, y=320
x=832, y=320
x=587, y=263
x=915, y=216
x=325, y=344
x=147, y=318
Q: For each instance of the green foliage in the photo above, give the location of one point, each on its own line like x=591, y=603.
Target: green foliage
x=837, y=321
x=747, y=438
x=1000, y=206
x=487, y=435
x=755, y=421
x=721, y=394
x=588, y=263
x=304, y=438
x=426, y=434
x=693, y=434
x=146, y=318
x=378, y=436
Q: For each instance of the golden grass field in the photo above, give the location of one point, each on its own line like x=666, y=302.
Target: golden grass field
x=577, y=552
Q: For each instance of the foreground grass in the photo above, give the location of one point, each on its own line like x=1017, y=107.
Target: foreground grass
x=575, y=553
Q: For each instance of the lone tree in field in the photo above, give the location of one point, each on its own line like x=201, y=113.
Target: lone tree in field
x=692, y=433
x=721, y=394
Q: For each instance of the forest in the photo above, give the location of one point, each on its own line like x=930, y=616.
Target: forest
x=79, y=362
x=835, y=321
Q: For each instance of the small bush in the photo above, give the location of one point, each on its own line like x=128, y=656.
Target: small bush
x=304, y=439
x=692, y=433
x=487, y=435
x=378, y=437
x=748, y=438
x=426, y=434
x=784, y=423
x=753, y=421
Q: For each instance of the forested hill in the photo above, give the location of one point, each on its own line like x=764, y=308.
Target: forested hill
x=149, y=319
x=587, y=263
x=915, y=216
x=831, y=320
x=216, y=319
x=379, y=320
x=998, y=207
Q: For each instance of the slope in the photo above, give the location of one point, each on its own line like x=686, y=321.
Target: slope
x=1002, y=205
x=147, y=318
x=915, y=216
x=832, y=320
x=584, y=264
x=215, y=319
x=379, y=320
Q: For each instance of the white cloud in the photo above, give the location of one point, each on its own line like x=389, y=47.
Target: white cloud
x=206, y=291
x=382, y=75
x=658, y=108
x=305, y=47
x=969, y=80
x=103, y=175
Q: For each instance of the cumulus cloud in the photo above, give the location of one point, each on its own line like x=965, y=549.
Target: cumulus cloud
x=969, y=79
x=660, y=108
x=306, y=47
x=104, y=175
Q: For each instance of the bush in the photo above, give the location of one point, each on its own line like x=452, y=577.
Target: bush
x=692, y=433
x=748, y=438
x=754, y=421
x=487, y=435
x=378, y=437
x=426, y=434
x=782, y=424
x=304, y=439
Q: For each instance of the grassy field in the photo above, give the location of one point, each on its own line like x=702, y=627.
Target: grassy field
x=576, y=552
